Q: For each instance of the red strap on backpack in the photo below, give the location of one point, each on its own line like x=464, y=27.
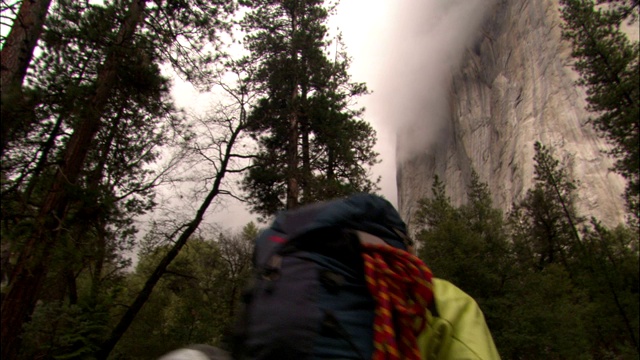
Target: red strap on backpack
x=402, y=286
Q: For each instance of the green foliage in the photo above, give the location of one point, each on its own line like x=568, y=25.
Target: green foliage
x=551, y=285
x=313, y=146
x=613, y=285
x=62, y=331
x=195, y=300
x=609, y=63
x=543, y=317
x=556, y=235
x=465, y=245
x=546, y=217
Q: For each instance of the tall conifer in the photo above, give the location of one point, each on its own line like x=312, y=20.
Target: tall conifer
x=313, y=146
x=608, y=62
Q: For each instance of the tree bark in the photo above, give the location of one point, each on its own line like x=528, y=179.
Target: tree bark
x=305, y=186
x=31, y=269
x=293, y=190
x=15, y=58
x=307, y=194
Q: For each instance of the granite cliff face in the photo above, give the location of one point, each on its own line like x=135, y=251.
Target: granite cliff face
x=515, y=86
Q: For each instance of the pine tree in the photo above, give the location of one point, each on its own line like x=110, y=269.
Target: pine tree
x=545, y=246
x=435, y=210
x=609, y=272
x=555, y=247
x=466, y=245
x=32, y=265
x=79, y=172
x=608, y=63
x=312, y=145
x=547, y=219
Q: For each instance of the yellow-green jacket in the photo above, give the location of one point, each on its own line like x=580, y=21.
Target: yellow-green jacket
x=458, y=331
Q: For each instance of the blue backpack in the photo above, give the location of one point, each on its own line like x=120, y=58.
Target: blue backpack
x=308, y=298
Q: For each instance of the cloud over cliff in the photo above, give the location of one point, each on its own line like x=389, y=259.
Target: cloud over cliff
x=423, y=44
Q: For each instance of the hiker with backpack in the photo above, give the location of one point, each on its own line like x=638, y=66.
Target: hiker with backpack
x=337, y=280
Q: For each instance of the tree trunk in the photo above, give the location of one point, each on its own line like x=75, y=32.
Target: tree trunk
x=72, y=287
x=15, y=57
x=305, y=186
x=307, y=194
x=31, y=268
x=293, y=190
x=331, y=172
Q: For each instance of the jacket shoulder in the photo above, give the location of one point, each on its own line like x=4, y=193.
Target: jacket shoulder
x=458, y=330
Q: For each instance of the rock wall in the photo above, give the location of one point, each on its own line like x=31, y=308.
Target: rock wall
x=515, y=87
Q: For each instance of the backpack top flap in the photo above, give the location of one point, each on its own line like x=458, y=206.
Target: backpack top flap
x=364, y=212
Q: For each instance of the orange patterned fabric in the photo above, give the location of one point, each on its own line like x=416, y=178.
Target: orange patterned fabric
x=401, y=284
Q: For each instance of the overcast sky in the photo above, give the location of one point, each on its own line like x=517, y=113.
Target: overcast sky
x=403, y=50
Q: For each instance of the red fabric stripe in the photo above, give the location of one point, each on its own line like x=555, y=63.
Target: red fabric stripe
x=277, y=239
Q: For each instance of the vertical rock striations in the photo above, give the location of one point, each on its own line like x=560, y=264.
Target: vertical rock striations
x=515, y=86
